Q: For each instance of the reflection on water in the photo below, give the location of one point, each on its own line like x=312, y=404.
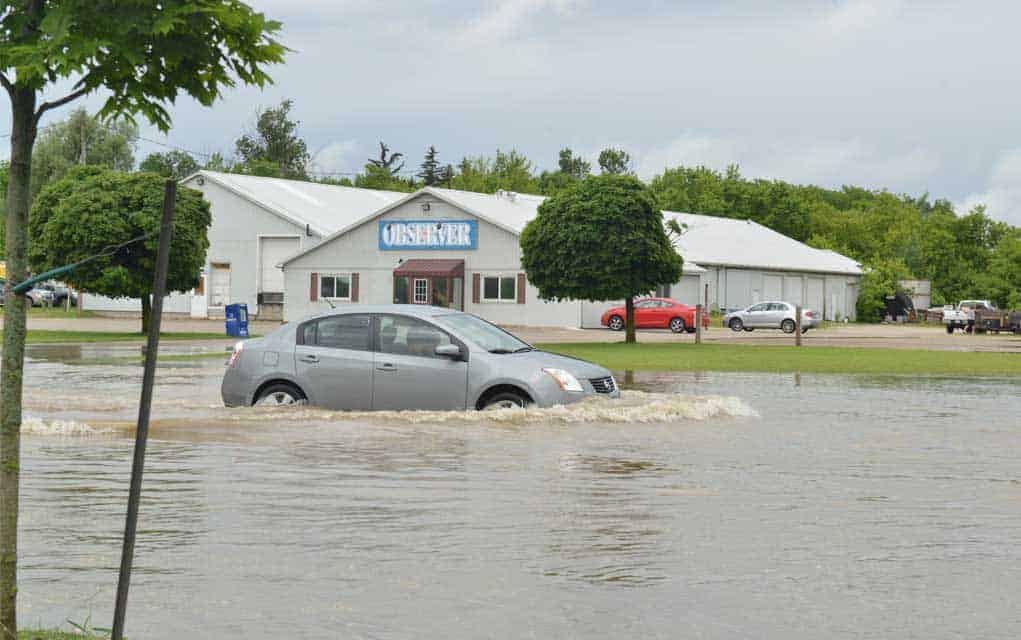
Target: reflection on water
x=724, y=505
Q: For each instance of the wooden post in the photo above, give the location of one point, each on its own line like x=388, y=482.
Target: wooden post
x=797, y=326
x=698, y=324
x=145, y=404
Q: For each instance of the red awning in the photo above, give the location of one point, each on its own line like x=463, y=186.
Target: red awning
x=431, y=268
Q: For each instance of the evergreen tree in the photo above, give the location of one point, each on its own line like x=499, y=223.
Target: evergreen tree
x=430, y=172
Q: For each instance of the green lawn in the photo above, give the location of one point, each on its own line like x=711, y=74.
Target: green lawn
x=43, y=336
x=784, y=359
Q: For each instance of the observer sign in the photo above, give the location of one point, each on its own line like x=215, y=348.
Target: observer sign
x=428, y=234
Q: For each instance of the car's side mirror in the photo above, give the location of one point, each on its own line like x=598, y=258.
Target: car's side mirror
x=451, y=351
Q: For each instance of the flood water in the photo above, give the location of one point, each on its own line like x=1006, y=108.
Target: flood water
x=703, y=506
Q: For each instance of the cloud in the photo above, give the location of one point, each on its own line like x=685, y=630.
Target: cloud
x=335, y=157
x=861, y=15
x=1002, y=192
x=808, y=160
x=511, y=16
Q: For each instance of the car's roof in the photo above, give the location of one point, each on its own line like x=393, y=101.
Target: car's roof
x=416, y=310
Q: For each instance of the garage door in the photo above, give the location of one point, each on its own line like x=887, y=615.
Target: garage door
x=792, y=289
x=814, y=298
x=272, y=252
x=772, y=287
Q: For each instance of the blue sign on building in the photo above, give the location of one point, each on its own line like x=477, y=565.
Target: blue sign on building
x=428, y=234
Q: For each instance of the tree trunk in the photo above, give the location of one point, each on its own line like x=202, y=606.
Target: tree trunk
x=23, y=131
x=146, y=313
x=629, y=327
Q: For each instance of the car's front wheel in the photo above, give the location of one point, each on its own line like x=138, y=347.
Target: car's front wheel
x=280, y=395
x=616, y=323
x=787, y=326
x=677, y=325
x=505, y=400
x=736, y=324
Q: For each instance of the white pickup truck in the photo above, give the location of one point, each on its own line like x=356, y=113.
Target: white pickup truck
x=963, y=315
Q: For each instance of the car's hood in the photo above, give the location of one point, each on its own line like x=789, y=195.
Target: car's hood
x=580, y=368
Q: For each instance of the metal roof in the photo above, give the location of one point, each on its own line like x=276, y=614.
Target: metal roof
x=731, y=242
x=332, y=210
x=323, y=207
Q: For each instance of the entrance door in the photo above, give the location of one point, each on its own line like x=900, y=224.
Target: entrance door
x=273, y=251
x=435, y=291
x=219, y=285
x=408, y=374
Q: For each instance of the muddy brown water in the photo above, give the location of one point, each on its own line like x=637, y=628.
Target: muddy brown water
x=703, y=505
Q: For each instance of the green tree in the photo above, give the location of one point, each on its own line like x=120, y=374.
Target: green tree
x=143, y=55
x=879, y=281
x=172, y=164
x=274, y=148
x=601, y=239
x=92, y=208
x=615, y=162
x=430, y=172
x=570, y=169
x=387, y=161
x=216, y=162
x=82, y=139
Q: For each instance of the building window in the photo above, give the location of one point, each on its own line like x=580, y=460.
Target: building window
x=500, y=288
x=335, y=286
x=421, y=291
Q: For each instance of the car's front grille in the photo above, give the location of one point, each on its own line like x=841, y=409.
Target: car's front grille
x=603, y=385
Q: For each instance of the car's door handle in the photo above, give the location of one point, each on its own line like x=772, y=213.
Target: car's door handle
x=386, y=366
x=309, y=358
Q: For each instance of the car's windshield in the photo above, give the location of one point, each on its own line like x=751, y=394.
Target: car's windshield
x=488, y=336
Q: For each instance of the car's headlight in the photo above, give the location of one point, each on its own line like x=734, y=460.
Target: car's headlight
x=566, y=380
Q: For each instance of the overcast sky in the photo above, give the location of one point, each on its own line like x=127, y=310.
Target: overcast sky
x=909, y=96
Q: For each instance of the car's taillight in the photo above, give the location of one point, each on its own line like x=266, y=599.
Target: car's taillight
x=238, y=348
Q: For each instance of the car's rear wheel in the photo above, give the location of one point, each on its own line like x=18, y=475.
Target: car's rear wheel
x=280, y=394
x=736, y=324
x=505, y=400
x=787, y=326
x=616, y=323
x=677, y=325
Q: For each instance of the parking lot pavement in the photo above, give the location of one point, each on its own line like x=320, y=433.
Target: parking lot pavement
x=884, y=336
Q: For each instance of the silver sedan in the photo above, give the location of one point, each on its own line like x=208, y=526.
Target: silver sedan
x=771, y=315
x=404, y=357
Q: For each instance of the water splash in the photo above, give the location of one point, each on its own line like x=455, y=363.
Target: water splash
x=39, y=427
x=632, y=407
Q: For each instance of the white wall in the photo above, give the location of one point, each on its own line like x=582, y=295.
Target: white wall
x=357, y=251
x=174, y=303
x=731, y=288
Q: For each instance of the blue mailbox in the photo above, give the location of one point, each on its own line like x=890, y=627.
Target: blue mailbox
x=236, y=316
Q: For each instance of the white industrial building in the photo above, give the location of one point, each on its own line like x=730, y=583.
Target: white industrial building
x=289, y=248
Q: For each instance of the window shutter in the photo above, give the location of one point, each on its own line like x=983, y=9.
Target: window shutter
x=354, y=287
x=314, y=293
x=521, y=288
x=476, y=288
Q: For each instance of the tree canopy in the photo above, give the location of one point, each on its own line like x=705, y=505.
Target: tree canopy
x=171, y=164
x=91, y=209
x=273, y=148
x=600, y=239
x=82, y=139
x=615, y=161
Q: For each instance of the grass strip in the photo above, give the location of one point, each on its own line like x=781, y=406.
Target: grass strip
x=50, y=634
x=46, y=336
x=788, y=359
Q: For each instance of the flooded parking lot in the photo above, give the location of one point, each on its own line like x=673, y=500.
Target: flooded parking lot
x=703, y=505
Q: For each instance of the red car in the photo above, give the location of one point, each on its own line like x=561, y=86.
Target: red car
x=656, y=313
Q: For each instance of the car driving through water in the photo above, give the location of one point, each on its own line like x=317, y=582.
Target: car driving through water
x=404, y=357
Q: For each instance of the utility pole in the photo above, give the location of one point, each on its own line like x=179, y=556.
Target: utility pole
x=82, y=153
x=145, y=405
